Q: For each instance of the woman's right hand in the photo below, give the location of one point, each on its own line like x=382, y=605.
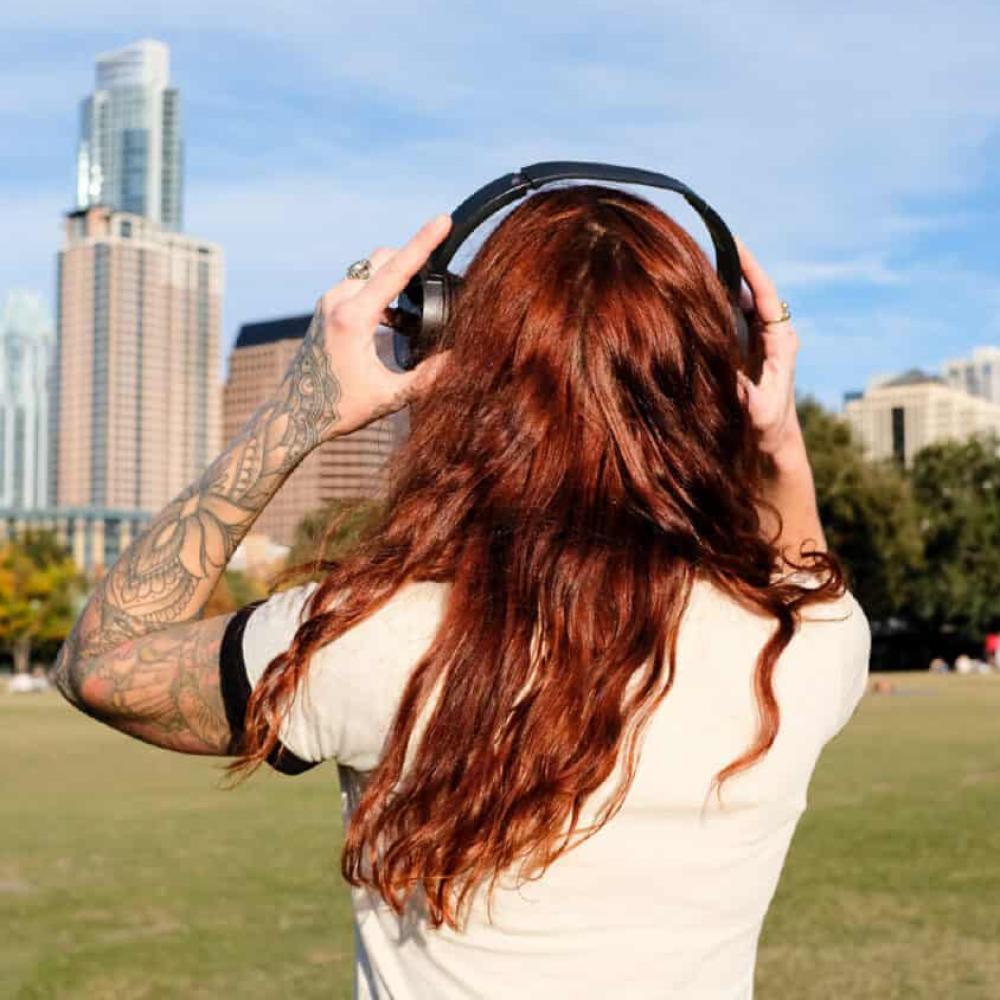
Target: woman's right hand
x=771, y=401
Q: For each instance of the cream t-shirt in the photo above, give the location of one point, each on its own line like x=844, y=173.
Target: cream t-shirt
x=667, y=899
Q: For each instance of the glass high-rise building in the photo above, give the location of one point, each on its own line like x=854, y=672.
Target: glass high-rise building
x=135, y=397
x=26, y=342
x=129, y=156
x=136, y=404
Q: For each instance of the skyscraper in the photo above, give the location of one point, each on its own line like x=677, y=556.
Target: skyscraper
x=351, y=466
x=137, y=395
x=26, y=342
x=137, y=373
x=130, y=149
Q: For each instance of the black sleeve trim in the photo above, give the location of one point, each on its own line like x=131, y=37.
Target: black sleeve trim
x=235, y=687
x=233, y=678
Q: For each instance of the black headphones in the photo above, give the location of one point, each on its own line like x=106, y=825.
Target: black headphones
x=424, y=306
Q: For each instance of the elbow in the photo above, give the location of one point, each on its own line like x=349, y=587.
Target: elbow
x=70, y=679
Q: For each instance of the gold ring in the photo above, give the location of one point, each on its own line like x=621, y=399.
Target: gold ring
x=785, y=316
x=360, y=270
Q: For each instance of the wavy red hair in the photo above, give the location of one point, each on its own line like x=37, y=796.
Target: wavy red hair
x=584, y=454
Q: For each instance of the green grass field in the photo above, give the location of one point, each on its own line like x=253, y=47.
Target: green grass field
x=125, y=872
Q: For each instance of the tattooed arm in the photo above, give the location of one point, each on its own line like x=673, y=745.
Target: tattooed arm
x=138, y=657
x=132, y=659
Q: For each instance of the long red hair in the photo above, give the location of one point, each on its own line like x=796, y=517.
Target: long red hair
x=583, y=455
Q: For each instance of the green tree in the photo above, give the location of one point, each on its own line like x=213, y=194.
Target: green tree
x=330, y=532
x=39, y=589
x=234, y=589
x=957, y=487
x=869, y=513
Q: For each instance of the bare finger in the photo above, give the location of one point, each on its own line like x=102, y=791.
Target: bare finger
x=395, y=274
x=765, y=295
x=349, y=287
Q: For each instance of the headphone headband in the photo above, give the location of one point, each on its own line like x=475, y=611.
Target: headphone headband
x=492, y=197
x=425, y=305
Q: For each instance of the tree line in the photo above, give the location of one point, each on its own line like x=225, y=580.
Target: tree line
x=921, y=545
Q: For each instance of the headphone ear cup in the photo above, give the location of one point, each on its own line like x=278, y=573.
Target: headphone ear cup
x=436, y=303
x=406, y=320
x=750, y=343
x=439, y=292
x=742, y=330
x=421, y=316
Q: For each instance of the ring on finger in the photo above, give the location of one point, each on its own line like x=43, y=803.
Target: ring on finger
x=786, y=315
x=360, y=270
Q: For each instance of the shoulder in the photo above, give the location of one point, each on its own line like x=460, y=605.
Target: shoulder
x=842, y=609
x=412, y=613
x=838, y=636
x=708, y=598
x=825, y=664
x=271, y=624
x=349, y=695
x=842, y=614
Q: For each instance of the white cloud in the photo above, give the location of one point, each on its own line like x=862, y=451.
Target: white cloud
x=863, y=270
x=830, y=137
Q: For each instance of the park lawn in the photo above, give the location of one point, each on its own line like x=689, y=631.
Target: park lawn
x=126, y=872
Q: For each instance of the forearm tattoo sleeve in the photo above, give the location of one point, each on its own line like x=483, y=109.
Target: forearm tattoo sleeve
x=166, y=575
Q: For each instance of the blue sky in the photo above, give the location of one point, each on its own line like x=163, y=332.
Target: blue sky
x=854, y=146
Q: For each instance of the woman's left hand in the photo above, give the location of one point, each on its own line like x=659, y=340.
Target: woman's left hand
x=771, y=401
x=338, y=363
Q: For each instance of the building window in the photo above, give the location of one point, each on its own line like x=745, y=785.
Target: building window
x=135, y=156
x=899, y=433
x=99, y=377
x=112, y=540
x=19, y=455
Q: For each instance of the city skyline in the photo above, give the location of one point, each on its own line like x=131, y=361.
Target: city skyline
x=857, y=161
x=105, y=418
x=27, y=342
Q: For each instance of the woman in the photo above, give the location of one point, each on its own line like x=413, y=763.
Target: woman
x=577, y=681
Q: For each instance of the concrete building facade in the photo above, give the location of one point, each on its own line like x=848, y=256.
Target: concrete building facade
x=26, y=348
x=978, y=375
x=137, y=406
x=897, y=417
x=130, y=148
x=351, y=466
x=94, y=537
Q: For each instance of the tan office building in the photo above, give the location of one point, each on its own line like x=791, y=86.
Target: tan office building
x=138, y=395
x=351, y=466
x=897, y=417
x=95, y=538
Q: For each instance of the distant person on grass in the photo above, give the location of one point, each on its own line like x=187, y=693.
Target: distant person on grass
x=578, y=679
